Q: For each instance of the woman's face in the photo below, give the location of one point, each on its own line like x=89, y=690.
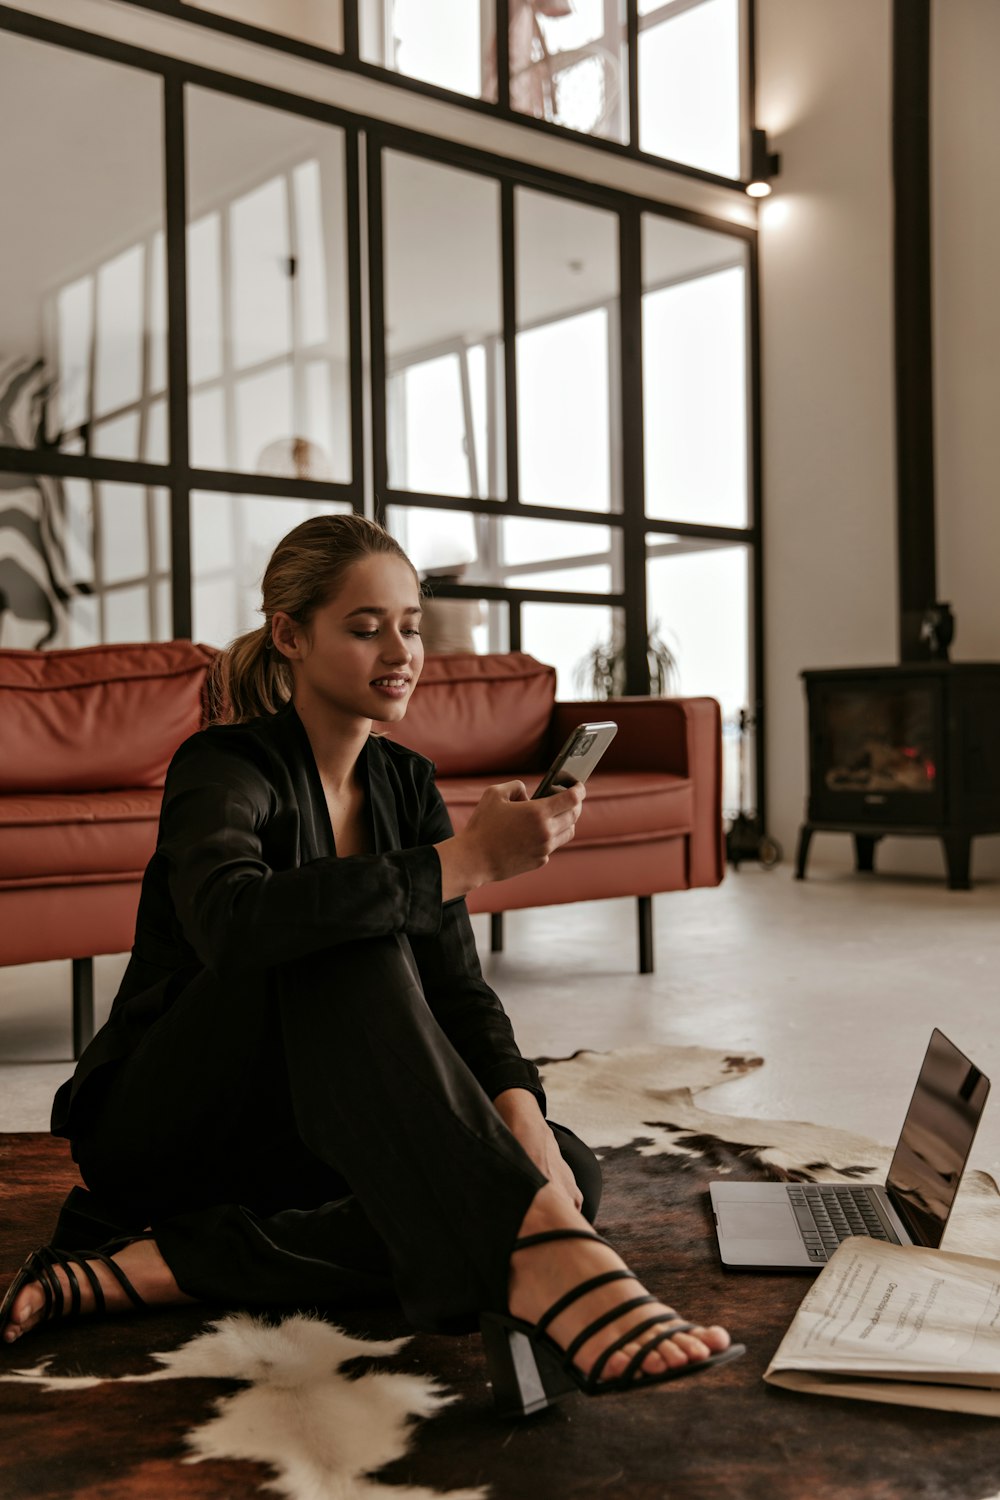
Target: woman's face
x=362, y=653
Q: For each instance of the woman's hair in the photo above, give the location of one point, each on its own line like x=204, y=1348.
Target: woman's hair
x=249, y=677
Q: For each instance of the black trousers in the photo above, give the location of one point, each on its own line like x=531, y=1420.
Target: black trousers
x=297, y=1141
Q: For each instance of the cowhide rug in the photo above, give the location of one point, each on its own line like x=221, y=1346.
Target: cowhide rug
x=200, y=1403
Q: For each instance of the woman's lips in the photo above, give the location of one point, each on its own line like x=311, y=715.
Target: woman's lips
x=392, y=688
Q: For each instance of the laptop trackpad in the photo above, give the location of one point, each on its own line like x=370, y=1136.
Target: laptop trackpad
x=757, y=1221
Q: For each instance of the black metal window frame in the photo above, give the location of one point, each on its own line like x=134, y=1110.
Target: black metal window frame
x=350, y=60
x=177, y=475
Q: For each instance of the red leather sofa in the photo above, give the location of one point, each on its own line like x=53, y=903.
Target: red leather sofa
x=86, y=737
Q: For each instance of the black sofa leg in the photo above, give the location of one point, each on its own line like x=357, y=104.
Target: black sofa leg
x=496, y=931
x=645, y=934
x=83, y=1003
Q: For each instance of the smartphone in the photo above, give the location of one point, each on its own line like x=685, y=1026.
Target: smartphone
x=577, y=758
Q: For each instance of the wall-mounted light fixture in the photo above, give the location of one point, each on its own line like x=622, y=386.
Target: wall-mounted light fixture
x=764, y=165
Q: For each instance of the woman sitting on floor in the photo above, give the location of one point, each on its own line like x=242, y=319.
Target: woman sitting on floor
x=306, y=1093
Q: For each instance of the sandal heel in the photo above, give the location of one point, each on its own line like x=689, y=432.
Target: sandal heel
x=525, y=1376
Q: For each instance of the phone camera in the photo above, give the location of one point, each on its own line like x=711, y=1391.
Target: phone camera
x=585, y=744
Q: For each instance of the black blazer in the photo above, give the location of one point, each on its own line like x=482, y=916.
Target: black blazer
x=246, y=876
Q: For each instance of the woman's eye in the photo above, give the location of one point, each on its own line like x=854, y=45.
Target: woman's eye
x=364, y=635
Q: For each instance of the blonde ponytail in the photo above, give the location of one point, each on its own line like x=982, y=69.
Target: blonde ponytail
x=250, y=678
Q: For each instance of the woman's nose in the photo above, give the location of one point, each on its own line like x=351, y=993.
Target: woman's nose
x=397, y=650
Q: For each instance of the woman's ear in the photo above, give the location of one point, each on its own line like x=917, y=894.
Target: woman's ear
x=286, y=634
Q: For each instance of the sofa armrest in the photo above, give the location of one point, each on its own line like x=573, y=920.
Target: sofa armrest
x=678, y=736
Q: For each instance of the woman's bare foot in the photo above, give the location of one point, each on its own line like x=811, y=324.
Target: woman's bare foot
x=543, y=1273
x=143, y=1265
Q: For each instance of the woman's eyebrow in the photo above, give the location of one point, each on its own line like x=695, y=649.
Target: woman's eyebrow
x=379, y=609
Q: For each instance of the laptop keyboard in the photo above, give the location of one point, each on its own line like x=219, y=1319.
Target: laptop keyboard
x=830, y=1212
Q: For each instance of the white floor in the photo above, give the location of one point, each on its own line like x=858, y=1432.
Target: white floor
x=836, y=981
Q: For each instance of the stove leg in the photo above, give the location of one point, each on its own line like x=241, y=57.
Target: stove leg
x=864, y=852
x=805, y=838
x=957, y=853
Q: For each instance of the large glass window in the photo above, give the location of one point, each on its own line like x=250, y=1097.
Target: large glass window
x=268, y=322
x=567, y=353
x=82, y=301
x=84, y=343
x=568, y=62
x=694, y=340
x=444, y=326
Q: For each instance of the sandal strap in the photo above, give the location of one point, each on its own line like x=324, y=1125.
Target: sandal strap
x=120, y=1277
x=605, y=1319
x=547, y=1235
x=41, y=1270
x=597, y=1368
x=91, y=1275
x=634, y=1366
x=577, y=1292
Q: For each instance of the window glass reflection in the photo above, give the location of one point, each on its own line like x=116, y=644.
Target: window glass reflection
x=567, y=373
x=320, y=22
x=514, y=551
x=689, y=83
x=443, y=316
x=564, y=635
x=82, y=294
x=232, y=538
x=698, y=596
x=268, y=309
x=569, y=64
x=82, y=562
x=448, y=43
x=695, y=375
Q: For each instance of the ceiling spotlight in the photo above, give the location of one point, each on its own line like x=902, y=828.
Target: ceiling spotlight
x=764, y=165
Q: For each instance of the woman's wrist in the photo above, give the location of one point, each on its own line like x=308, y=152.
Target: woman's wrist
x=517, y=1106
x=461, y=870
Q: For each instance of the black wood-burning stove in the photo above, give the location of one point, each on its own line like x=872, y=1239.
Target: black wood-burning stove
x=913, y=749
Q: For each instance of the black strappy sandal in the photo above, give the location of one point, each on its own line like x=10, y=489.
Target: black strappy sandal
x=41, y=1266
x=530, y=1371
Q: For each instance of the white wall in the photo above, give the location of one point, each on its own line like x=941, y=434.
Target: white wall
x=825, y=97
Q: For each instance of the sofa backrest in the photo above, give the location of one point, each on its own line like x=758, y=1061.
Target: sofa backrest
x=100, y=717
x=472, y=714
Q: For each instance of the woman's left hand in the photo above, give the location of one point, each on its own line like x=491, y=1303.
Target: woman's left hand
x=519, y=1110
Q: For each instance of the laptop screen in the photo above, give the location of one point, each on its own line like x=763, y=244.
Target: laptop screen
x=936, y=1139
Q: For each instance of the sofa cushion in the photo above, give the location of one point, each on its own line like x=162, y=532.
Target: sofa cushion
x=620, y=806
x=101, y=833
x=472, y=713
x=98, y=718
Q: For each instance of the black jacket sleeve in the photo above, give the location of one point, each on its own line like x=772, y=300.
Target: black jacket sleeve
x=226, y=832
x=467, y=1009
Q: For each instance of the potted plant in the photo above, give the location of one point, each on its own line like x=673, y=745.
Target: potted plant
x=602, y=670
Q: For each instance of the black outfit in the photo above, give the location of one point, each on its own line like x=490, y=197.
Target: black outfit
x=294, y=1085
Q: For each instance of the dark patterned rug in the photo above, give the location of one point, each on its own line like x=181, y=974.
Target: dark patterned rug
x=203, y=1403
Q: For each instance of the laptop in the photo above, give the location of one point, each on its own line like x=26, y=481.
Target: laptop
x=779, y=1226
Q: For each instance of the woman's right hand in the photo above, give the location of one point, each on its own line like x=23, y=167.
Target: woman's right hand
x=508, y=834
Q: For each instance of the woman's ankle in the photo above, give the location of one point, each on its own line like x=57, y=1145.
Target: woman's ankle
x=550, y=1209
